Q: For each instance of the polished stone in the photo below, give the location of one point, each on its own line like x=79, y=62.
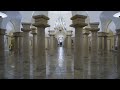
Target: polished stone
x=61, y=66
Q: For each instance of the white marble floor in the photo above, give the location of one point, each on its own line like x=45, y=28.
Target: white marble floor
x=61, y=66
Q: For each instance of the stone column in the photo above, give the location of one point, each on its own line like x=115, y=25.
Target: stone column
x=78, y=23
x=94, y=44
x=26, y=29
x=85, y=43
x=105, y=42
x=26, y=49
x=52, y=42
x=18, y=48
x=102, y=42
x=34, y=33
x=41, y=24
x=115, y=37
x=18, y=53
x=55, y=42
x=2, y=53
x=118, y=43
x=46, y=43
x=100, y=36
x=65, y=42
x=69, y=43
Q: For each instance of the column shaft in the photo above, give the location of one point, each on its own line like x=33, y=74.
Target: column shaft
x=2, y=54
x=34, y=45
x=119, y=42
x=105, y=43
x=94, y=43
x=78, y=48
x=69, y=43
x=52, y=44
x=18, y=37
x=86, y=46
x=41, y=46
x=100, y=43
x=26, y=46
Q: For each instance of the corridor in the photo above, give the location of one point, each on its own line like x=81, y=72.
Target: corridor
x=61, y=66
x=60, y=45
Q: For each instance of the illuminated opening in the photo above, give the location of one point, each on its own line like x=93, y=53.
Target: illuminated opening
x=3, y=15
x=117, y=15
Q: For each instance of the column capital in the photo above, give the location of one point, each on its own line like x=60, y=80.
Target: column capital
x=18, y=34
x=51, y=32
x=87, y=31
x=41, y=21
x=26, y=27
x=94, y=27
x=2, y=31
x=102, y=34
x=34, y=31
x=69, y=33
x=118, y=31
x=78, y=21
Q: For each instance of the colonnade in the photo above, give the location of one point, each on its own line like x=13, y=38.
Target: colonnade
x=81, y=48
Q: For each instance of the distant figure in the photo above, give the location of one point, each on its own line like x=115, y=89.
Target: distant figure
x=60, y=43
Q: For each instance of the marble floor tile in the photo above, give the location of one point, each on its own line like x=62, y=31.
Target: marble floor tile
x=61, y=66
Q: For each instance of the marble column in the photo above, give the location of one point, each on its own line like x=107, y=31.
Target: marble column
x=69, y=43
x=94, y=44
x=118, y=43
x=85, y=43
x=34, y=33
x=52, y=42
x=18, y=48
x=46, y=43
x=18, y=53
x=105, y=42
x=78, y=23
x=65, y=42
x=102, y=47
x=26, y=44
x=115, y=37
x=2, y=53
x=26, y=49
x=41, y=23
x=55, y=42
x=100, y=36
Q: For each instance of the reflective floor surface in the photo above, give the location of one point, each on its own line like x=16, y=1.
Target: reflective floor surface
x=61, y=66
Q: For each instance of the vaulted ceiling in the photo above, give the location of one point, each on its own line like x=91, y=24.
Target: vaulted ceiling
x=105, y=18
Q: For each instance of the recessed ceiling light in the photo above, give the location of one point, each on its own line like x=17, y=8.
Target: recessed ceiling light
x=117, y=15
x=3, y=15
